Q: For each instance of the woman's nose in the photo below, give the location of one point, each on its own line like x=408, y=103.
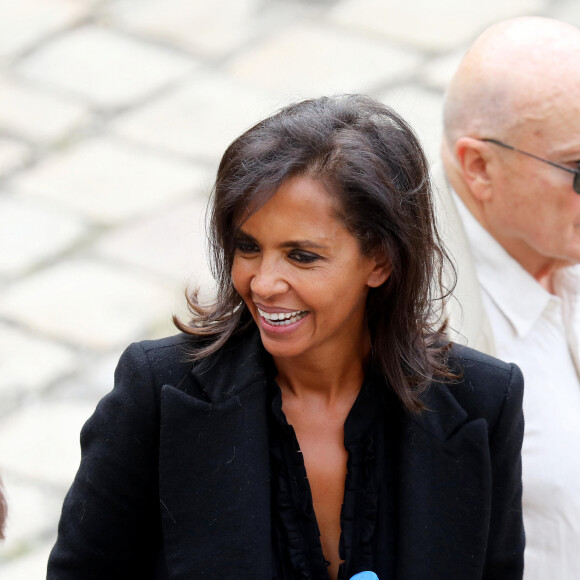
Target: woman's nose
x=268, y=281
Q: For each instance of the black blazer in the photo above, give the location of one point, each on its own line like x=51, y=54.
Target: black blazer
x=174, y=476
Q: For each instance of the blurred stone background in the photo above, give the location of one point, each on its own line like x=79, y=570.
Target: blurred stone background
x=113, y=115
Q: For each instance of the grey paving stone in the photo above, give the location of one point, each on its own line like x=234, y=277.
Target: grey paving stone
x=429, y=25
x=219, y=26
x=568, y=11
x=12, y=155
x=25, y=22
x=30, y=565
x=164, y=326
x=94, y=380
x=438, y=72
x=32, y=231
x=88, y=304
x=107, y=180
x=105, y=67
x=201, y=119
x=41, y=117
x=40, y=443
x=33, y=514
x=172, y=244
x=423, y=110
x=17, y=375
x=312, y=60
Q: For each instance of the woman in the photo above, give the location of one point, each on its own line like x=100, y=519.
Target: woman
x=313, y=422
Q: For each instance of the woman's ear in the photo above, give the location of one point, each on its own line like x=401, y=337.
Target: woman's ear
x=381, y=271
x=473, y=159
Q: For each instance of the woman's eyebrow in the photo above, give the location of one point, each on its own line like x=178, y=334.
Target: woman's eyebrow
x=242, y=234
x=302, y=244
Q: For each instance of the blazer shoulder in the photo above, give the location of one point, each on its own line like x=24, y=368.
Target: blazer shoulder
x=484, y=384
x=224, y=373
x=169, y=347
x=167, y=360
x=472, y=364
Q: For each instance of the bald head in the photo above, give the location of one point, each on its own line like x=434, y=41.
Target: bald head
x=509, y=75
x=519, y=84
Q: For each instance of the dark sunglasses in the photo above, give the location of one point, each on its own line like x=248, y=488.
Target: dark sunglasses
x=576, y=172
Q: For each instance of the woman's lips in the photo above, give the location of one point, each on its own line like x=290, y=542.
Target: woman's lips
x=281, y=321
x=282, y=318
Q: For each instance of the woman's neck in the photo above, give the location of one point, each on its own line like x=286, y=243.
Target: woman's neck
x=327, y=378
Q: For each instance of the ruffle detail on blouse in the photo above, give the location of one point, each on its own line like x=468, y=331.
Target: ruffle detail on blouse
x=358, y=517
x=368, y=513
x=293, y=501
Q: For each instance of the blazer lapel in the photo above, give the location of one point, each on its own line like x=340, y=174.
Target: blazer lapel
x=214, y=470
x=444, y=491
x=214, y=478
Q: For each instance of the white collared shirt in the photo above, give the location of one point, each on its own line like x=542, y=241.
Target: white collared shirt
x=539, y=332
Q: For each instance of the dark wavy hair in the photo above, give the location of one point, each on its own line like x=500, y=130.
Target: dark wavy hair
x=3, y=512
x=368, y=157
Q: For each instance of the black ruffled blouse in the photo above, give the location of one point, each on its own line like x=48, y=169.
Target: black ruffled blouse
x=368, y=516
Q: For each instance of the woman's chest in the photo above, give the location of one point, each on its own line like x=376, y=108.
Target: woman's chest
x=325, y=460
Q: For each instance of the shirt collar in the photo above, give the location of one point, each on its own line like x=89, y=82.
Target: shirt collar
x=567, y=282
x=515, y=292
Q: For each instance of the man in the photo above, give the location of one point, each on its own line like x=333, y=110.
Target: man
x=511, y=153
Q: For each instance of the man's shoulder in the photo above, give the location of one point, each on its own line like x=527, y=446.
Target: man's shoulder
x=468, y=321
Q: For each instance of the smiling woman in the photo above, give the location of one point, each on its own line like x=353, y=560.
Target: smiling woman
x=370, y=180
x=301, y=274
x=314, y=421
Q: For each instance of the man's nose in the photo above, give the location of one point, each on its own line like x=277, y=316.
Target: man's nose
x=269, y=280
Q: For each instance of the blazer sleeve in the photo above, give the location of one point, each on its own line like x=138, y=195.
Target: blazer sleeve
x=505, y=553
x=109, y=527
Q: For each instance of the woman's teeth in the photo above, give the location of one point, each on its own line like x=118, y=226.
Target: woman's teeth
x=283, y=318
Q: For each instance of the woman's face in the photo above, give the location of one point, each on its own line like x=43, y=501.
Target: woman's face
x=302, y=275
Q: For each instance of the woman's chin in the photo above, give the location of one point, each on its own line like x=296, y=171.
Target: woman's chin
x=284, y=341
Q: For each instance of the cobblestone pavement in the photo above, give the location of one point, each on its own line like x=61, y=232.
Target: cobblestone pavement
x=113, y=114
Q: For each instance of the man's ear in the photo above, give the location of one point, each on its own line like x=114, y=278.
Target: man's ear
x=381, y=272
x=473, y=158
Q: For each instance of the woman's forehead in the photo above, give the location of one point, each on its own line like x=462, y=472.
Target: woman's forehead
x=303, y=190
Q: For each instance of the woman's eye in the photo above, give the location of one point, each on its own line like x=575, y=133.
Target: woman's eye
x=246, y=247
x=304, y=257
